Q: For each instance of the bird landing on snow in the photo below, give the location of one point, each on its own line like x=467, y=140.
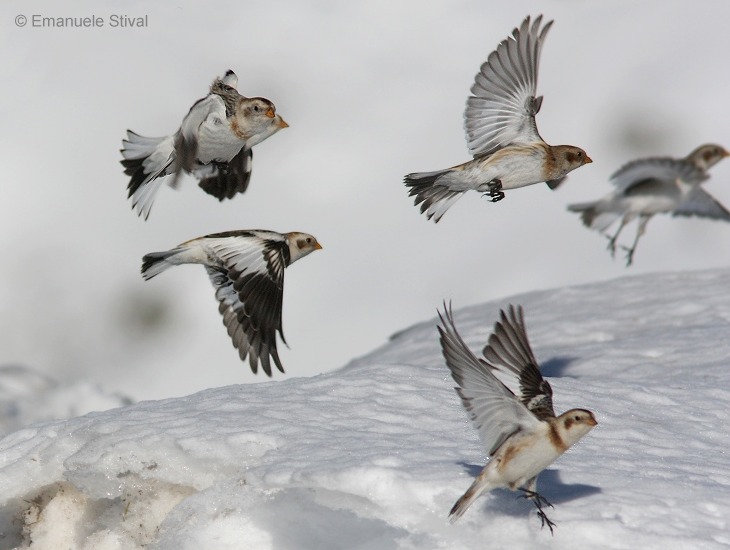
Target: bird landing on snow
x=214, y=143
x=521, y=432
x=247, y=270
x=655, y=185
x=501, y=131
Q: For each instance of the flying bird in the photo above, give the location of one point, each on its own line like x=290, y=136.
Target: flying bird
x=246, y=268
x=655, y=185
x=214, y=143
x=521, y=432
x=501, y=132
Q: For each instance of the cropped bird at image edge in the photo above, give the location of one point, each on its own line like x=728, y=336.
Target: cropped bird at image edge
x=655, y=185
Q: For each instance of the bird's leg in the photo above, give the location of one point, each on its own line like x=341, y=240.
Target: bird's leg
x=612, y=240
x=643, y=220
x=495, y=190
x=629, y=254
x=536, y=497
x=539, y=502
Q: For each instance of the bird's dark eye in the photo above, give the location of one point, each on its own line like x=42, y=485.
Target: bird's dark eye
x=577, y=418
x=309, y=241
x=256, y=108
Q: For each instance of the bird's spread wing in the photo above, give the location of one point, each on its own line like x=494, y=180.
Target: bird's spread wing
x=701, y=203
x=186, y=142
x=508, y=350
x=657, y=169
x=503, y=104
x=493, y=408
x=225, y=180
x=249, y=287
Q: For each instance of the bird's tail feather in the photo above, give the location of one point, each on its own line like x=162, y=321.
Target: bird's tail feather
x=434, y=199
x=144, y=197
x=155, y=263
x=145, y=160
x=593, y=216
x=467, y=499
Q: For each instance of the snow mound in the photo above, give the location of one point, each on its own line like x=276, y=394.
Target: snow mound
x=374, y=455
x=28, y=396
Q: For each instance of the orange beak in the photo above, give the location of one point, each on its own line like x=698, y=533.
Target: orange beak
x=588, y=160
x=282, y=123
x=318, y=246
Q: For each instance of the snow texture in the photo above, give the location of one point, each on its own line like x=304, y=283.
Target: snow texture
x=373, y=456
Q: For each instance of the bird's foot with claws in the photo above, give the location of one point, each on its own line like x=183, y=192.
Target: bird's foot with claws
x=537, y=498
x=611, y=245
x=629, y=255
x=539, y=502
x=495, y=191
x=222, y=167
x=544, y=520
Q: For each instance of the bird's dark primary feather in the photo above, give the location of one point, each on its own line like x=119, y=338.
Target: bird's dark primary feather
x=230, y=178
x=508, y=350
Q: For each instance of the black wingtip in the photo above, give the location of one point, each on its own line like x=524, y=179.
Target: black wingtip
x=447, y=314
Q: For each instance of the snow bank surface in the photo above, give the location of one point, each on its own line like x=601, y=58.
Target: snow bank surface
x=374, y=455
x=28, y=396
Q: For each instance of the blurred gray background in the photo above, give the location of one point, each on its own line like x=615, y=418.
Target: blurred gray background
x=372, y=90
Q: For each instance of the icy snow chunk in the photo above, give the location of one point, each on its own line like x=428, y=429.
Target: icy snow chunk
x=64, y=517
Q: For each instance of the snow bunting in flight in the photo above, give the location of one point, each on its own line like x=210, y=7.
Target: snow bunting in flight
x=214, y=143
x=656, y=185
x=247, y=270
x=501, y=132
x=521, y=432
